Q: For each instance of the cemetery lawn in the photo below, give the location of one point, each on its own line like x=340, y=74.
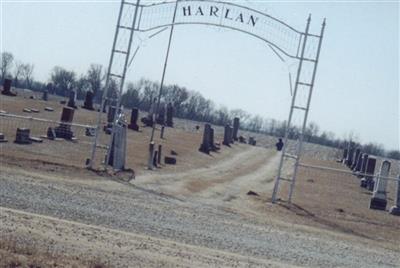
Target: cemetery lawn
x=54, y=212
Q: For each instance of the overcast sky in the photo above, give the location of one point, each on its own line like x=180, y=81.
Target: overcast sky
x=357, y=84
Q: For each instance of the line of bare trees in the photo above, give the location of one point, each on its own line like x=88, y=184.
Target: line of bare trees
x=188, y=104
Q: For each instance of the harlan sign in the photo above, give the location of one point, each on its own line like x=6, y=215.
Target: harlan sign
x=221, y=14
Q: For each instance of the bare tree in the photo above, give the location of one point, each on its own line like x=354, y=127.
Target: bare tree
x=6, y=64
x=18, y=68
x=63, y=80
x=95, y=78
x=27, y=74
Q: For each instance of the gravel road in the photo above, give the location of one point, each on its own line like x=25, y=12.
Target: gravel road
x=133, y=209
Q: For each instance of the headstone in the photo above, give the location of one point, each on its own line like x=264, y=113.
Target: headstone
x=2, y=138
x=35, y=110
x=64, y=129
x=88, y=103
x=26, y=110
x=51, y=135
x=161, y=115
x=242, y=139
x=48, y=109
x=22, y=136
x=349, y=159
x=72, y=99
x=236, y=125
x=369, y=170
x=162, y=132
x=170, y=115
x=118, y=148
x=378, y=199
x=170, y=160
x=213, y=147
x=227, y=135
x=159, y=155
x=231, y=137
x=155, y=157
x=45, y=96
x=363, y=164
x=7, y=88
x=205, y=146
x=345, y=151
x=252, y=141
x=395, y=210
x=134, y=117
x=151, y=156
x=355, y=158
x=358, y=163
x=90, y=132
x=111, y=114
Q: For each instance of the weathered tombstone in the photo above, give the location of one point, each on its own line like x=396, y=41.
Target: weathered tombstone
x=134, y=117
x=51, y=135
x=151, y=156
x=155, y=159
x=252, y=141
x=117, y=155
x=349, y=159
x=242, y=139
x=212, y=141
x=161, y=115
x=378, y=199
x=2, y=138
x=159, y=155
x=170, y=160
x=48, y=109
x=369, y=170
x=363, y=164
x=64, y=129
x=72, y=99
x=162, y=132
x=205, y=145
x=170, y=115
x=88, y=103
x=359, y=163
x=345, y=151
x=22, y=136
x=45, y=96
x=236, y=124
x=227, y=135
x=355, y=158
x=7, y=88
x=231, y=136
x=111, y=114
x=395, y=210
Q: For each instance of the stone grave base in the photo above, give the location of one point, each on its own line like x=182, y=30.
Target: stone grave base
x=395, y=211
x=377, y=203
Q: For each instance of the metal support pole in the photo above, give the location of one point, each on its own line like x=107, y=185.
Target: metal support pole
x=121, y=85
x=103, y=98
x=306, y=113
x=276, y=186
x=165, y=68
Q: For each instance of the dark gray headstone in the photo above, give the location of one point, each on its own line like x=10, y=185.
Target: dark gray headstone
x=72, y=99
x=236, y=125
x=23, y=136
x=378, y=199
x=205, y=145
x=88, y=103
x=7, y=88
x=227, y=135
x=134, y=117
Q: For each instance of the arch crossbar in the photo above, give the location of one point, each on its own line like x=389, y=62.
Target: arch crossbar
x=280, y=37
x=275, y=32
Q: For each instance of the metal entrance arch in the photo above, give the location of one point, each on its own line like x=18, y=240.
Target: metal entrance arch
x=284, y=40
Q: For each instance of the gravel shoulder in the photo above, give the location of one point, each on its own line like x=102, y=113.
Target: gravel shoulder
x=175, y=223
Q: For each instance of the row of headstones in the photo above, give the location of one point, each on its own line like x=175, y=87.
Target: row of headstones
x=363, y=166
x=230, y=136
